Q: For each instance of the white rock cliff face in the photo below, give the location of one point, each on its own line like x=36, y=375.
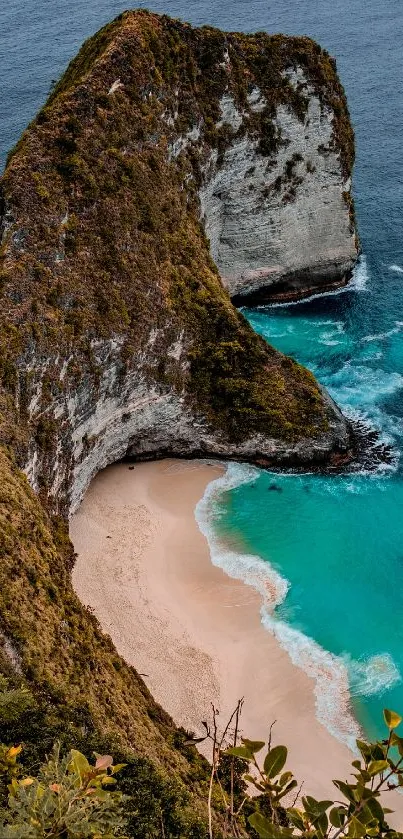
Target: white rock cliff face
x=127, y=415
x=279, y=223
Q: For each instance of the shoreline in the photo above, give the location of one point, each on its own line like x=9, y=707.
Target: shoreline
x=145, y=568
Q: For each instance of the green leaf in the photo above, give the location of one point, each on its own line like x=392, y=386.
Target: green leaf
x=365, y=816
x=310, y=804
x=364, y=748
x=265, y=828
x=369, y=793
x=356, y=830
x=336, y=816
x=346, y=790
x=79, y=764
x=240, y=751
x=253, y=746
x=391, y=718
x=377, y=766
x=274, y=761
x=324, y=805
x=322, y=824
x=118, y=768
x=296, y=817
x=376, y=809
x=256, y=783
x=397, y=741
x=314, y=808
x=287, y=789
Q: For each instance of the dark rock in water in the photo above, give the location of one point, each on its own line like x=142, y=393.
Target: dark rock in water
x=275, y=488
x=370, y=452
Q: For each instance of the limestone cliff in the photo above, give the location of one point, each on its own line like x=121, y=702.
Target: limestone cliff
x=280, y=228
x=118, y=337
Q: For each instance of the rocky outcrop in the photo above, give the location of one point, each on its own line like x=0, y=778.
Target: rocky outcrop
x=280, y=228
x=162, y=149
x=127, y=415
x=275, y=175
x=118, y=338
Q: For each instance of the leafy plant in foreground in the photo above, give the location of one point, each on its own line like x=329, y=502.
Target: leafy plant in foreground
x=279, y=810
x=69, y=799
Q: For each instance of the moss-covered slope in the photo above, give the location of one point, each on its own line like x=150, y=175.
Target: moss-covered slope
x=82, y=692
x=108, y=287
x=117, y=336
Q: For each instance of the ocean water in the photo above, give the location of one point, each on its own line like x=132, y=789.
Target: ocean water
x=326, y=553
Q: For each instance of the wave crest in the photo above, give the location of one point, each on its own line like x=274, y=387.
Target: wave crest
x=336, y=678
x=373, y=676
x=358, y=282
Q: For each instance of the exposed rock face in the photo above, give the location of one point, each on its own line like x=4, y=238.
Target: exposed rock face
x=128, y=415
x=280, y=226
x=116, y=333
x=118, y=337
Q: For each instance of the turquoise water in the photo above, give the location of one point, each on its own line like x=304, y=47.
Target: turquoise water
x=338, y=540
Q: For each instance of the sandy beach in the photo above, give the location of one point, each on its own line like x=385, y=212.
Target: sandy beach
x=145, y=569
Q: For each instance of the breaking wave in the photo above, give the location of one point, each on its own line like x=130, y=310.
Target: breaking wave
x=358, y=282
x=336, y=678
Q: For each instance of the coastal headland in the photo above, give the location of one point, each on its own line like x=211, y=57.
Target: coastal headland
x=171, y=170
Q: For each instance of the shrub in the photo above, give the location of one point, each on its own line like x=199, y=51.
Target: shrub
x=359, y=814
x=70, y=799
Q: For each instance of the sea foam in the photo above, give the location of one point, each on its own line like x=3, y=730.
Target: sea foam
x=358, y=282
x=336, y=678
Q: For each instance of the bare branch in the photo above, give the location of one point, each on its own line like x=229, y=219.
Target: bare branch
x=299, y=790
x=270, y=734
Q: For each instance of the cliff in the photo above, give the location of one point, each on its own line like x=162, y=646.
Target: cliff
x=276, y=204
x=260, y=126
x=118, y=337
x=162, y=149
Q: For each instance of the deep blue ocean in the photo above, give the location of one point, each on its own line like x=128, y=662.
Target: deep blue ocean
x=333, y=547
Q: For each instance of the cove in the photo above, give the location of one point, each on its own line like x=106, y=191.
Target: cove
x=337, y=540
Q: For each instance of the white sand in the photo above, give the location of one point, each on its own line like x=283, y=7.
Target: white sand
x=145, y=569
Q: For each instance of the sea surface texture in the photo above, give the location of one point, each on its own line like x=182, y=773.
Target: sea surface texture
x=326, y=552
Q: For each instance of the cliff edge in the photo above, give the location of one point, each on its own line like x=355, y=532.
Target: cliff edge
x=160, y=155
x=118, y=337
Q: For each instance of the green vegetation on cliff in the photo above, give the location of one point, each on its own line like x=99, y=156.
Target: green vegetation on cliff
x=76, y=688
x=71, y=797
x=101, y=241
x=101, y=238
